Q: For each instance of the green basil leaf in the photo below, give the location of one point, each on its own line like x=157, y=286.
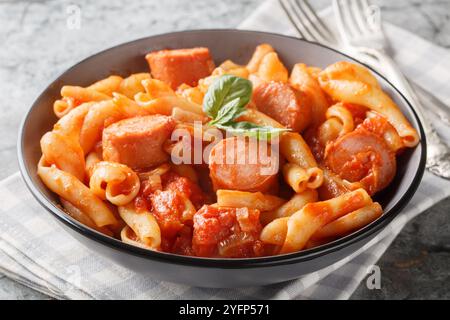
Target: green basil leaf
x=226, y=100
x=227, y=92
x=229, y=112
x=252, y=130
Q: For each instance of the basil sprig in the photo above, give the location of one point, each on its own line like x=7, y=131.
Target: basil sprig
x=226, y=100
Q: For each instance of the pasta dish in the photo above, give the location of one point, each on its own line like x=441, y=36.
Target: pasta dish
x=227, y=161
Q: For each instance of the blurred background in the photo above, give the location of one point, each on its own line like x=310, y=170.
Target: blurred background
x=41, y=38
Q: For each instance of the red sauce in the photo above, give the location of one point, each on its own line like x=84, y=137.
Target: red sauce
x=183, y=242
x=312, y=139
x=358, y=112
x=124, y=187
x=168, y=207
x=172, y=181
x=141, y=203
x=227, y=232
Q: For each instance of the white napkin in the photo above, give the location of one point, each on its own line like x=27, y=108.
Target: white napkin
x=35, y=251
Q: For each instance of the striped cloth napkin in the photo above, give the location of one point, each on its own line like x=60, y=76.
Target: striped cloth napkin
x=35, y=251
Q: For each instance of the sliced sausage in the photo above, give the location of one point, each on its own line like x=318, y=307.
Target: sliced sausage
x=361, y=156
x=137, y=142
x=280, y=101
x=234, y=164
x=176, y=67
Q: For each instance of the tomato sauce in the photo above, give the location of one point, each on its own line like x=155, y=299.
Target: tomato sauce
x=172, y=181
x=358, y=112
x=227, y=232
x=167, y=204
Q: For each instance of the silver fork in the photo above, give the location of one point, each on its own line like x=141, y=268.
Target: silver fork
x=359, y=29
x=310, y=27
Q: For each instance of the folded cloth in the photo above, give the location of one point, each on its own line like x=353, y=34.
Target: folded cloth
x=36, y=252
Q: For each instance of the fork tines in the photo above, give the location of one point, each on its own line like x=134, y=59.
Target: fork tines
x=308, y=24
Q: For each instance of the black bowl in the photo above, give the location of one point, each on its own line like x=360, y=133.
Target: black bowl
x=224, y=44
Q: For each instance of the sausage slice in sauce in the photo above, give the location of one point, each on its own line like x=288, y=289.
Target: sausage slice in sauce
x=236, y=164
x=280, y=101
x=361, y=156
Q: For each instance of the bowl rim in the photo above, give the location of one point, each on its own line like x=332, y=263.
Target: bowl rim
x=226, y=263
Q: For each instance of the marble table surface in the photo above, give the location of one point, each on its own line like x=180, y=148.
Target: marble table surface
x=37, y=45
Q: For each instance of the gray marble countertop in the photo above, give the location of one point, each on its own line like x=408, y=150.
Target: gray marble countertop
x=37, y=46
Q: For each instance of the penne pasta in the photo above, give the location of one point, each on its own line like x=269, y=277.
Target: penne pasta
x=302, y=80
x=99, y=116
x=128, y=236
x=114, y=182
x=127, y=106
x=260, y=52
x=92, y=159
x=304, y=223
x=275, y=232
x=344, y=70
x=329, y=131
x=339, y=122
x=297, y=202
x=143, y=224
x=295, y=176
x=82, y=217
x=257, y=117
x=301, y=179
x=229, y=67
x=107, y=85
x=63, y=106
x=252, y=200
x=83, y=94
x=187, y=116
x=132, y=85
x=63, y=153
x=73, y=190
x=295, y=150
x=155, y=88
x=70, y=125
x=62, y=147
x=350, y=222
x=344, y=116
x=192, y=94
x=345, y=82
x=293, y=233
x=164, y=105
x=272, y=69
x=313, y=72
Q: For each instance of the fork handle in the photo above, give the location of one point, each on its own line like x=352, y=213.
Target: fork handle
x=434, y=104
